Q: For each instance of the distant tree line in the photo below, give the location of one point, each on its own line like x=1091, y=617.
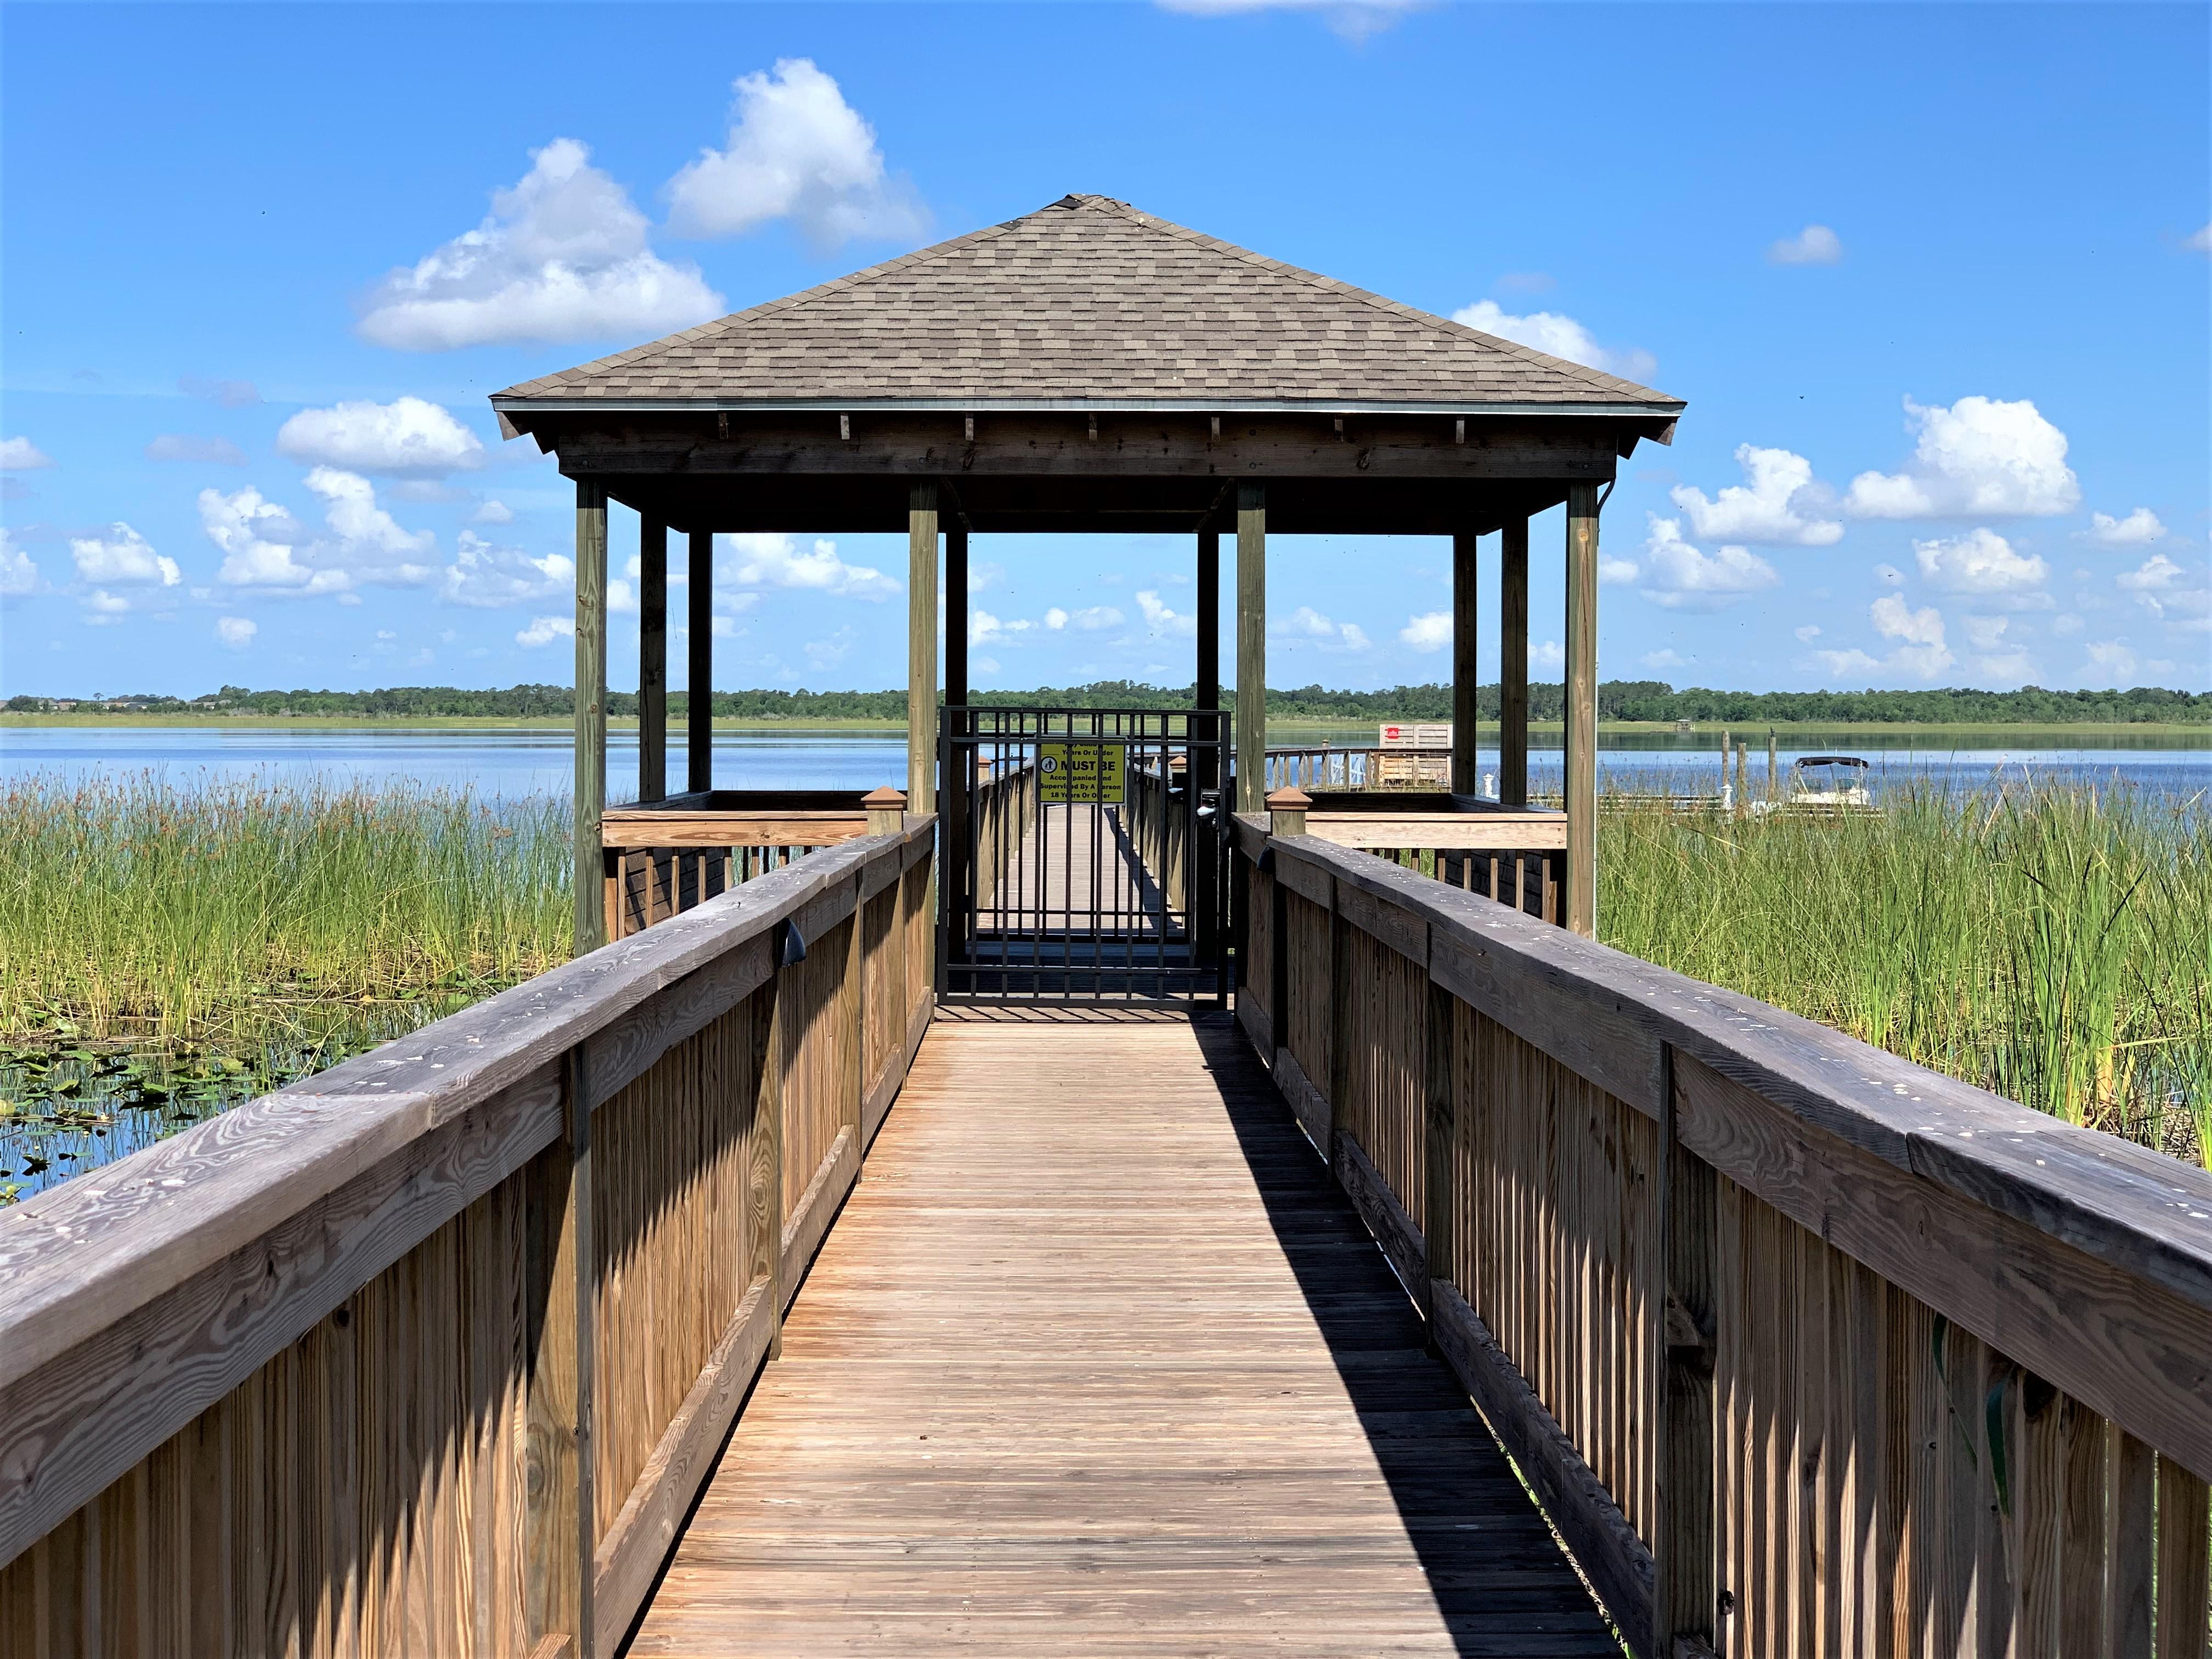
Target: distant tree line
x=1617, y=699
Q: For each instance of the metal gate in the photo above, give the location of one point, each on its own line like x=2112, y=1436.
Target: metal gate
x=1081, y=859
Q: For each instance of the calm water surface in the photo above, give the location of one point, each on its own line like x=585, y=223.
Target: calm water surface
x=520, y=761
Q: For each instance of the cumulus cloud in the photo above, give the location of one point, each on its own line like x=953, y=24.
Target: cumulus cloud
x=1307, y=623
x=544, y=630
x=1916, y=634
x=1815, y=245
x=2152, y=575
x=774, y=560
x=21, y=455
x=122, y=558
x=797, y=150
x=265, y=547
x=1430, y=631
x=236, y=632
x=406, y=438
x=2109, y=662
x=1091, y=618
x=1684, y=578
x=1979, y=562
x=984, y=629
x=19, y=572
x=1776, y=506
x=188, y=446
x=486, y=576
x=1616, y=572
x=1549, y=655
x=1665, y=657
x=1556, y=336
x=1979, y=457
x=2139, y=528
x=493, y=512
x=2171, y=592
x=563, y=255
x=2202, y=242
x=1807, y=632
x=1159, y=619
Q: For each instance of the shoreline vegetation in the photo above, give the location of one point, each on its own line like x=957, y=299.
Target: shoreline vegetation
x=1625, y=704
x=167, y=951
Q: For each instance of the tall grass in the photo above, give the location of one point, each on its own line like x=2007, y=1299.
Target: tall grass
x=135, y=908
x=2051, y=942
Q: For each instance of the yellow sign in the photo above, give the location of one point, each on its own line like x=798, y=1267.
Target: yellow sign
x=1081, y=773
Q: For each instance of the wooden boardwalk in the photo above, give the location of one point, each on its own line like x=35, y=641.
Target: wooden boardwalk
x=1076, y=871
x=1098, y=1360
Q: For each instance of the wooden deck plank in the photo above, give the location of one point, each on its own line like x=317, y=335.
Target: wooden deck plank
x=1098, y=1360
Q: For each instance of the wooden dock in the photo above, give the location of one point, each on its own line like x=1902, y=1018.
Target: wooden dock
x=1099, y=1359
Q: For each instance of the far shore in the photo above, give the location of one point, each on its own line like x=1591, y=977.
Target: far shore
x=1288, y=730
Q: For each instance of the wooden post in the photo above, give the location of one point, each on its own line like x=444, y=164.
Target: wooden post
x=1464, y=775
x=653, y=659
x=1286, y=812
x=560, y=1516
x=957, y=879
x=1440, y=1197
x=921, y=647
x=1513, y=663
x=1687, y=1591
x=1742, y=779
x=1773, y=766
x=1581, y=709
x=591, y=711
x=956, y=618
x=772, y=1044
x=886, y=809
x=1205, y=772
x=1251, y=647
x=699, y=773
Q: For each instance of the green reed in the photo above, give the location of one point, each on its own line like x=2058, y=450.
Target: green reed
x=226, y=910
x=2051, y=942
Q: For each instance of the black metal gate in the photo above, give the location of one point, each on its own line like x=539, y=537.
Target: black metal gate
x=1080, y=856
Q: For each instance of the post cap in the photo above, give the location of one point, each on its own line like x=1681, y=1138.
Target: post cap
x=883, y=800
x=1292, y=799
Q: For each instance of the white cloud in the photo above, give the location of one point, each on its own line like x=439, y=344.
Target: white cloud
x=1815, y=245
x=1917, y=635
x=2110, y=662
x=2139, y=528
x=1809, y=633
x=1430, y=631
x=2178, y=596
x=482, y=574
x=188, y=446
x=2152, y=575
x=1160, y=619
x=493, y=512
x=796, y=150
x=21, y=455
x=1666, y=657
x=1055, y=618
x=984, y=629
x=1889, y=576
x=121, y=558
x=1985, y=633
x=2202, y=242
x=1614, y=572
x=1556, y=336
x=406, y=438
x=773, y=560
x=264, y=546
x=827, y=653
x=562, y=256
x=1996, y=657
x=1853, y=663
x=1093, y=617
x=103, y=607
x=1355, y=19
x=544, y=630
x=1682, y=578
x=1774, y=506
x=1547, y=655
x=236, y=632
x=1308, y=624
x=19, y=572
x=1979, y=457
x=1978, y=561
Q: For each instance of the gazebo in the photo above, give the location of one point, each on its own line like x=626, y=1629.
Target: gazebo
x=1088, y=368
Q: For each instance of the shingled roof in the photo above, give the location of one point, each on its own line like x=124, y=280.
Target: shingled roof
x=1087, y=303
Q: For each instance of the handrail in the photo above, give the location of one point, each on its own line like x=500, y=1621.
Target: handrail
x=1791, y=1337
x=552, y=1236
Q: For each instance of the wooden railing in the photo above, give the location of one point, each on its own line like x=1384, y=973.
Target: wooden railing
x=1805, y=1349
x=1006, y=812
x=664, y=857
x=1158, y=828
x=1517, y=856
x=1327, y=767
x=429, y=1353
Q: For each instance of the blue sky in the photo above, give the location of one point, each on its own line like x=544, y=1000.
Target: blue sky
x=1933, y=280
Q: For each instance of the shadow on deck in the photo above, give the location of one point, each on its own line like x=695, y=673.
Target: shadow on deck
x=1099, y=1359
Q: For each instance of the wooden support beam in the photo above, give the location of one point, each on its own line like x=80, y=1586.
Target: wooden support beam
x=1686, y=1546
x=1205, y=764
x=560, y=1516
x=699, y=773
x=1464, y=776
x=956, y=616
x=921, y=647
x=653, y=659
x=591, y=710
x=1251, y=647
x=1582, y=710
x=1440, y=1191
x=1513, y=663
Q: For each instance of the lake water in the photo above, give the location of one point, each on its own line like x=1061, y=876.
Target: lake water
x=520, y=762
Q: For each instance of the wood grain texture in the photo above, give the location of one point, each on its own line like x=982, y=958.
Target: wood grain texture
x=1125, y=1379
x=1456, y=831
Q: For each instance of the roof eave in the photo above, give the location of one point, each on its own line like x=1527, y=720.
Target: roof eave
x=1657, y=409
